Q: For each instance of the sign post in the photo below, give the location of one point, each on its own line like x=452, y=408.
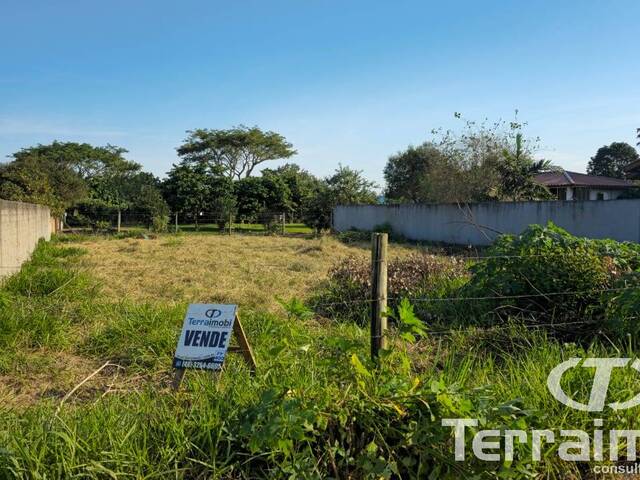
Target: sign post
x=204, y=340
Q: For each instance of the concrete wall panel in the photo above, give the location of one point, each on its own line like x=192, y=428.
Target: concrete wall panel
x=21, y=226
x=480, y=223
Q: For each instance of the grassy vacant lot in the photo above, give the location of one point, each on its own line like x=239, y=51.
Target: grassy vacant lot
x=252, y=271
x=316, y=408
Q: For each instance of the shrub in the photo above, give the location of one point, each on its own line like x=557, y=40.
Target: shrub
x=623, y=305
x=102, y=226
x=546, y=275
x=348, y=287
x=159, y=223
x=354, y=236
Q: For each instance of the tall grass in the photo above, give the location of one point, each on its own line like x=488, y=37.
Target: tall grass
x=317, y=408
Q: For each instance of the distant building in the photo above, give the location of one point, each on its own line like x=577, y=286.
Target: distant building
x=579, y=186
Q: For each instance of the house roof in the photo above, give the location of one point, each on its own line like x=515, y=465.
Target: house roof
x=564, y=178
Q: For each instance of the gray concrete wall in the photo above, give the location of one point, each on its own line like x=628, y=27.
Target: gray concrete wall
x=21, y=226
x=479, y=223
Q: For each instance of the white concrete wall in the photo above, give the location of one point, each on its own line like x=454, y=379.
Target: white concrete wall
x=606, y=194
x=21, y=226
x=480, y=223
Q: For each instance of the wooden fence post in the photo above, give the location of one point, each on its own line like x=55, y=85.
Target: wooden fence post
x=119, y=220
x=230, y=222
x=284, y=223
x=379, y=243
x=176, y=223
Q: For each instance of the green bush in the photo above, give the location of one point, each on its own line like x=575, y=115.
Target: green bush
x=545, y=275
x=623, y=307
x=354, y=236
x=102, y=226
x=160, y=223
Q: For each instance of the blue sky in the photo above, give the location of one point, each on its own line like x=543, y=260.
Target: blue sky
x=346, y=82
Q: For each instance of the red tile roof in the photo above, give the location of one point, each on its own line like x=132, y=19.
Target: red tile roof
x=564, y=178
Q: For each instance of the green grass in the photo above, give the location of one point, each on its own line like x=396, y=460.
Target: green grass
x=317, y=408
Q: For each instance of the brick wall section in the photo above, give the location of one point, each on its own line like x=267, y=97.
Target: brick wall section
x=21, y=226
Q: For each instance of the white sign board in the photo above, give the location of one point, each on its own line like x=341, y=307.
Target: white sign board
x=205, y=336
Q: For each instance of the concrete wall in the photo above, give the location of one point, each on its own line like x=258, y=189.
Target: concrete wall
x=479, y=223
x=21, y=226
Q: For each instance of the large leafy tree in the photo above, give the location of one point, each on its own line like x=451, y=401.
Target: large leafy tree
x=113, y=187
x=302, y=185
x=70, y=173
x=194, y=188
x=610, y=160
x=187, y=189
x=262, y=197
x=480, y=162
x=86, y=160
x=39, y=180
x=238, y=151
x=142, y=192
x=345, y=187
x=407, y=174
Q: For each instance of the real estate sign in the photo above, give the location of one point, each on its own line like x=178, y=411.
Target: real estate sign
x=205, y=336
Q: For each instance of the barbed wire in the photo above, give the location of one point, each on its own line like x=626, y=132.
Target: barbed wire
x=483, y=298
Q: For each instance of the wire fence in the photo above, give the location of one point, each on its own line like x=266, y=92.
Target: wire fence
x=267, y=221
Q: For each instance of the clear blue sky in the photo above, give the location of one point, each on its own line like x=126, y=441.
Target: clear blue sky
x=345, y=81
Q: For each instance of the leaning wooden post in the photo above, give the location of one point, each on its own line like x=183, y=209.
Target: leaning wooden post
x=119, y=220
x=176, y=223
x=230, y=222
x=378, y=293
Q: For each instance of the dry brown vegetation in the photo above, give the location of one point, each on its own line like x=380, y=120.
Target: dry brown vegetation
x=249, y=270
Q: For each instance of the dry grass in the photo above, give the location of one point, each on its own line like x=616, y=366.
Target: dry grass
x=252, y=271
x=249, y=270
x=44, y=374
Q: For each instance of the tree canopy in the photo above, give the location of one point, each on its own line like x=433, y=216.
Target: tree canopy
x=92, y=179
x=482, y=162
x=407, y=173
x=345, y=187
x=610, y=160
x=237, y=151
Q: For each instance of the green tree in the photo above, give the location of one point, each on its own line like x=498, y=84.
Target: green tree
x=222, y=200
x=610, y=160
x=187, y=189
x=84, y=159
x=113, y=186
x=302, y=186
x=517, y=171
x=143, y=194
x=262, y=197
x=345, y=187
x=39, y=180
x=474, y=164
x=70, y=173
x=408, y=174
x=238, y=151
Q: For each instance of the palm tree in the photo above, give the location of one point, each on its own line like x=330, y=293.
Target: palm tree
x=517, y=172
